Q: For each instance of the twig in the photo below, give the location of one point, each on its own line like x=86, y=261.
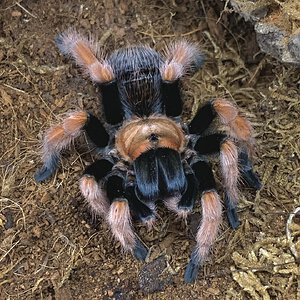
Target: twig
x=15, y=89
x=18, y=4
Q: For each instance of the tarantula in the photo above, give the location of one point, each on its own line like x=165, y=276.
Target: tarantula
x=147, y=153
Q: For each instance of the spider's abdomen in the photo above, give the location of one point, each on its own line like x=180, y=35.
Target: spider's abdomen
x=138, y=78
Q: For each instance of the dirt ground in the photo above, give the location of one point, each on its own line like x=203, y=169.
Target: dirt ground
x=51, y=247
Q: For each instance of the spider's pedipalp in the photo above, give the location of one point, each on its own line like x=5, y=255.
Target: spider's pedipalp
x=183, y=204
x=207, y=233
x=143, y=211
x=181, y=57
x=84, y=52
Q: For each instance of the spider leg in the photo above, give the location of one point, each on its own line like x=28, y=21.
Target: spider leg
x=229, y=167
x=203, y=118
x=181, y=57
x=211, y=219
x=119, y=217
x=91, y=188
x=247, y=172
x=60, y=136
x=238, y=127
x=171, y=97
x=84, y=51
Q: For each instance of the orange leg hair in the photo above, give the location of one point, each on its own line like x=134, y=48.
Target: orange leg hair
x=181, y=57
x=58, y=138
x=119, y=219
x=84, y=51
x=229, y=169
x=95, y=195
x=207, y=233
x=211, y=220
x=238, y=126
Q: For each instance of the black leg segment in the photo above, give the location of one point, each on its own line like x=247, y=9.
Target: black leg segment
x=115, y=187
x=231, y=211
x=204, y=175
x=111, y=103
x=140, y=252
x=172, y=98
x=192, y=269
x=247, y=171
x=209, y=144
x=99, y=169
x=96, y=132
x=202, y=119
x=188, y=198
x=47, y=170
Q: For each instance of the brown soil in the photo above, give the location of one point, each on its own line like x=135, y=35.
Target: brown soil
x=50, y=246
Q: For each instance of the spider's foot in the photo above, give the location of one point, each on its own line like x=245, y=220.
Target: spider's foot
x=192, y=269
x=59, y=41
x=252, y=179
x=232, y=215
x=43, y=174
x=140, y=252
x=148, y=221
x=184, y=211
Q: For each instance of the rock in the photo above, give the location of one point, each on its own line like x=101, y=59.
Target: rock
x=272, y=36
x=272, y=40
x=155, y=276
x=250, y=11
x=294, y=46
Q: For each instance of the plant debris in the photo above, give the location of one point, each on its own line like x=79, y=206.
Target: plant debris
x=50, y=247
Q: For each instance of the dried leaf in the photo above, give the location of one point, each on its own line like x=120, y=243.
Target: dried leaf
x=6, y=98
